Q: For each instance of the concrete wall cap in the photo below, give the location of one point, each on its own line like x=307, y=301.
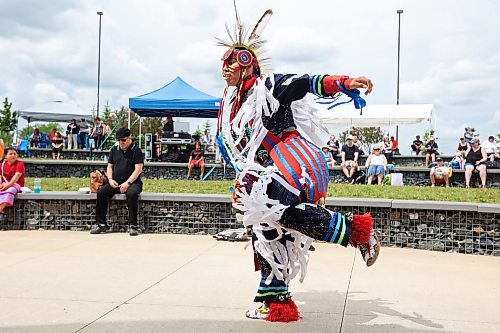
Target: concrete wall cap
x=435, y=205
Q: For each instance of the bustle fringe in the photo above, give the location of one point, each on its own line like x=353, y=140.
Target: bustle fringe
x=284, y=312
x=362, y=226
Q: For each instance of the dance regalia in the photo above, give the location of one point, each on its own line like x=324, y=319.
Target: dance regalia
x=268, y=134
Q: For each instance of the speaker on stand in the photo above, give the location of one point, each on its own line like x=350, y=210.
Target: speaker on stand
x=149, y=153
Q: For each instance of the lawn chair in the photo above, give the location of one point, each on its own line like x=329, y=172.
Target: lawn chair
x=44, y=141
x=23, y=148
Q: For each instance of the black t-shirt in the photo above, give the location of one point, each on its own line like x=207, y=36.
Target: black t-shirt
x=197, y=154
x=124, y=162
x=417, y=143
x=349, y=152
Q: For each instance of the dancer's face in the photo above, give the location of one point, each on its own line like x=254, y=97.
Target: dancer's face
x=232, y=71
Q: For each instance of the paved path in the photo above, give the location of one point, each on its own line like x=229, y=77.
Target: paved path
x=53, y=281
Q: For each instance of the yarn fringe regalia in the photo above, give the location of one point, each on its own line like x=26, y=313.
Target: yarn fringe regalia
x=362, y=226
x=284, y=312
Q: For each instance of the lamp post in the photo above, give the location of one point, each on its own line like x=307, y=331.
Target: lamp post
x=399, y=12
x=99, y=63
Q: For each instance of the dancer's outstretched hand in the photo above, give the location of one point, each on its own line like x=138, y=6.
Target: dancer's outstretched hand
x=362, y=82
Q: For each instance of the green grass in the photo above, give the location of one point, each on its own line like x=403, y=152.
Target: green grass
x=341, y=190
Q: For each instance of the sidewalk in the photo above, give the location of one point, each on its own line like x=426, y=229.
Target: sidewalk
x=55, y=281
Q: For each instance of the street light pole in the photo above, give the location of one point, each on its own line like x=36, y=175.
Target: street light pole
x=99, y=63
x=399, y=12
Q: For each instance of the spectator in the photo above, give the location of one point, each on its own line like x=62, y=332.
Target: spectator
x=125, y=164
x=440, y=173
x=71, y=133
x=97, y=133
x=394, y=146
x=13, y=172
x=35, y=138
x=57, y=146
x=196, y=159
x=417, y=145
x=334, y=145
x=490, y=147
x=356, y=142
x=468, y=135
x=431, y=151
x=168, y=127
x=350, y=155
x=84, y=133
x=462, y=147
x=205, y=140
x=387, y=149
x=376, y=164
x=328, y=156
x=475, y=157
x=52, y=134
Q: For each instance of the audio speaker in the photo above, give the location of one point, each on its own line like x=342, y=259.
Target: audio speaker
x=149, y=146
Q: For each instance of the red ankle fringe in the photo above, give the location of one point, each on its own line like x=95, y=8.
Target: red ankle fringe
x=284, y=312
x=361, y=226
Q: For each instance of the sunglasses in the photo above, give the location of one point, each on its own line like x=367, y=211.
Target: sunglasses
x=123, y=140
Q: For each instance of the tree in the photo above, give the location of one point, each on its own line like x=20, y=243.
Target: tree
x=8, y=122
x=207, y=126
x=106, y=113
x=367, y=135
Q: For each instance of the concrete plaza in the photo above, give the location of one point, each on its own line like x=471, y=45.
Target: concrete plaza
x=55, y=281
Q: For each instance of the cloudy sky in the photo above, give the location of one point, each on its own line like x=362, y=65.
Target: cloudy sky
x=450, y=51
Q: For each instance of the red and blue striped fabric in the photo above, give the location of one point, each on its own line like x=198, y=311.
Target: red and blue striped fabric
x=290, y=154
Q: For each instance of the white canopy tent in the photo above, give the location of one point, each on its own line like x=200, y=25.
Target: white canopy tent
x=380, y=115
x=56, y=111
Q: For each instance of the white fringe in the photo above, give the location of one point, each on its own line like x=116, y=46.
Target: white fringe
x=257, y=209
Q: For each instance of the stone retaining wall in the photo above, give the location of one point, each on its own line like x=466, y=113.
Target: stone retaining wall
x=82, y=154
x=156, y=170
x=437, y=226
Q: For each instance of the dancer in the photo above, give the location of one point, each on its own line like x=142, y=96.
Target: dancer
x=267, y=133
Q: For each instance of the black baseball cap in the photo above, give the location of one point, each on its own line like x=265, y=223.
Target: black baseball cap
x=439, y=159
x=122, y=133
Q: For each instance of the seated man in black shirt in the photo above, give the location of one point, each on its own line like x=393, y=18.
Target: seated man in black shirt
x=350, y=154
x=196, y=159
x=125, y=164
x=416, y=146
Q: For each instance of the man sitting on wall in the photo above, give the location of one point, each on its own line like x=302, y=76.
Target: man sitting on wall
x=417, y=145
x=350, y=155
x=125, y=164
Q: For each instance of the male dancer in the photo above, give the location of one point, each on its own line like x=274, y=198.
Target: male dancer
x=267, y=134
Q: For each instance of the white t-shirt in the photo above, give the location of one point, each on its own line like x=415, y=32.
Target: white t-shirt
x=489, y=146
x=377, y=160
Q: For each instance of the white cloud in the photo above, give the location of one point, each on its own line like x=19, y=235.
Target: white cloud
x=450, y=58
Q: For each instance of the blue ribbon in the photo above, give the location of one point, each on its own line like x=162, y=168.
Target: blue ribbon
x=354, y=94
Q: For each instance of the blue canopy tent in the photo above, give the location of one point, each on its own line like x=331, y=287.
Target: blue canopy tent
x=177, y=99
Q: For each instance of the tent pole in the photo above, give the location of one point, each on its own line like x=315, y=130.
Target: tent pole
x=129, y=111
x=140, y=132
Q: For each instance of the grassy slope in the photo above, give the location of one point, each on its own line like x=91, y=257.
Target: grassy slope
x=356, y=191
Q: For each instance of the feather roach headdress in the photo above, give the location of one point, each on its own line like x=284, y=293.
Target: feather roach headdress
x=247, y=51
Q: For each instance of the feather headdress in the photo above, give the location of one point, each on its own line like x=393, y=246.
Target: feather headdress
x=239, y=40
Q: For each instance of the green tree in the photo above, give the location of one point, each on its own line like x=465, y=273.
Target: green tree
x=367, y=135
x=8, y=122
x=106, y=113
x=207, y=126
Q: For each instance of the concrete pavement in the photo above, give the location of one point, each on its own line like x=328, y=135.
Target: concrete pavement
x=61, y=281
